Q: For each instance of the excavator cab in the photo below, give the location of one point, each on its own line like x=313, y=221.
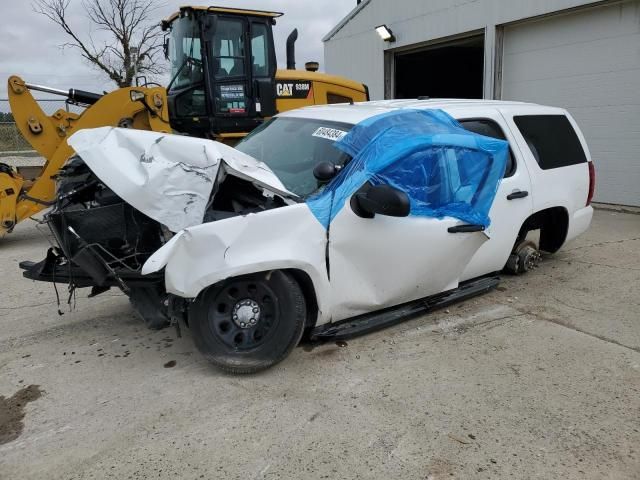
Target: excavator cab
x=223, y=70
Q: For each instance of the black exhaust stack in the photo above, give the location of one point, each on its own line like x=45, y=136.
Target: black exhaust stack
x=291, y=49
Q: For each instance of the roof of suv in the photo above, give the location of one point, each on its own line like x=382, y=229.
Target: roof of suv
x=458, y=108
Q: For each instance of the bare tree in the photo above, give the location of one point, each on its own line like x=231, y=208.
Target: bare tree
x=133, y=42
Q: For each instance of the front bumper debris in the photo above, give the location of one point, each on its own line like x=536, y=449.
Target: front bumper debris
x=56, y=268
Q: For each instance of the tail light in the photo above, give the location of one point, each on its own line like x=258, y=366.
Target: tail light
x=592, y=182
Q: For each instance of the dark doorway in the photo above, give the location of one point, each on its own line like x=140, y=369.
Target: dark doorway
x=450, y=70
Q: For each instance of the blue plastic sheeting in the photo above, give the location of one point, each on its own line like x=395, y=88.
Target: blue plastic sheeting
x=445, y=170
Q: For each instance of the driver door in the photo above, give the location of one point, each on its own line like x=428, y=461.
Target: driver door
x=379, y=262
x=385, y=261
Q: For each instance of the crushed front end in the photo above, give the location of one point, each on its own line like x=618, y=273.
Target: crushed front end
x=101, y=242
x=126, y=193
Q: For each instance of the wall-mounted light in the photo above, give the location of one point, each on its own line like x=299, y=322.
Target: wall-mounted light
x=385, y=33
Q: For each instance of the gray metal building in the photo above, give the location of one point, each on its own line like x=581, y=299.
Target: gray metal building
x=581, y=55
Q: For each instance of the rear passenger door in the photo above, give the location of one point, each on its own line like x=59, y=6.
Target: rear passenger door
x=512, y=205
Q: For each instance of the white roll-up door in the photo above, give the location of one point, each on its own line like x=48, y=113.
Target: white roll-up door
x=587, y=61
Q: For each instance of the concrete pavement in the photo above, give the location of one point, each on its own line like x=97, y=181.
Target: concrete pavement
x=538, y=379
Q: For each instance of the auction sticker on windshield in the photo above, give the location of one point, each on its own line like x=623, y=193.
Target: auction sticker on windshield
x=332, y=134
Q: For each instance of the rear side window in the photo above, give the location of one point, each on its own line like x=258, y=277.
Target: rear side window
x=489, y=128
x=552, y=140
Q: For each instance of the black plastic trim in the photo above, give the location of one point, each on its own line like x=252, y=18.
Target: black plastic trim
x=375, y=321
x=466, y=229
x=516, y=195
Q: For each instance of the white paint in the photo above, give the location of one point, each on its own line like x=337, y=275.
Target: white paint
x=507, y=216
x=283, y=238
x=384, y=261
x=566, y=187
x=167, y=177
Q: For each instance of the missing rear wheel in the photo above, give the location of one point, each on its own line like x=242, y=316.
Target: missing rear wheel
x=525, y=257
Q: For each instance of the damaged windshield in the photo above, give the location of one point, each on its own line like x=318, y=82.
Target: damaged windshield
x=292, y=147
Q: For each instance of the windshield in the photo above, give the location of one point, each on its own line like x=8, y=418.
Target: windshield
x=292, y=147
x=185, y=54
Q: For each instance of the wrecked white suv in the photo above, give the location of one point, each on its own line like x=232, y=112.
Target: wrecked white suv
x=332, y=220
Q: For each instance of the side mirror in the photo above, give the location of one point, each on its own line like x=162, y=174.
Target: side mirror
x=380, y=199
x=325, y=171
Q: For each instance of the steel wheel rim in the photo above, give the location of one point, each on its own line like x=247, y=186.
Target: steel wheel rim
x=242, y=294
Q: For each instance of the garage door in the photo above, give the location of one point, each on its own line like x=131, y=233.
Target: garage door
x=588, y=62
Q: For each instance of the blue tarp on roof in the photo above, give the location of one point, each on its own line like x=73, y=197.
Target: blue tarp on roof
x=445, y=169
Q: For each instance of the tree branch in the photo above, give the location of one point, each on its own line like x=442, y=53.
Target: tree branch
x=126, y=23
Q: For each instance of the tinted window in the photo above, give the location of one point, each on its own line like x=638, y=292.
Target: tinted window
x=552, y=140
x=333, y=98
x=489, y=128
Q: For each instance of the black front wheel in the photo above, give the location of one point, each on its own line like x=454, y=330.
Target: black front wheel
x=249, y=323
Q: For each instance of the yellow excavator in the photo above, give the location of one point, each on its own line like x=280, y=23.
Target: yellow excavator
x=224, y=83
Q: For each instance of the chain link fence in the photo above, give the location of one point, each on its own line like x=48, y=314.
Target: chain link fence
x=11, y=141
x=12, y=144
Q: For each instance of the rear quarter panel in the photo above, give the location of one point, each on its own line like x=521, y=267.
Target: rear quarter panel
x=566, y=187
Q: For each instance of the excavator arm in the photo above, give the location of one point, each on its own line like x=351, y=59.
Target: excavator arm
x=23, y=195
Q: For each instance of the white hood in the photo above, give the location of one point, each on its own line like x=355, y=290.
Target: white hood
x=167, y=177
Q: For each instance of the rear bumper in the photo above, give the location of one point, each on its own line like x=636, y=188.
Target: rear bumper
x=579, y=222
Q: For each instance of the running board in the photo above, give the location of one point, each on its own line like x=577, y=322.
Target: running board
x=372, y=322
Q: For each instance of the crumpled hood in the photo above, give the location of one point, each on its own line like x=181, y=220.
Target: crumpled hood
x=167, y=177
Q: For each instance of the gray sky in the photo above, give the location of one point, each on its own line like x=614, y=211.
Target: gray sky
x=29, y=42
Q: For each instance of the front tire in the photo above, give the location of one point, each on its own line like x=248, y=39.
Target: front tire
x=249, y=323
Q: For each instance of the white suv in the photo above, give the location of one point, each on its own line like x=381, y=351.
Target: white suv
x=302, y=237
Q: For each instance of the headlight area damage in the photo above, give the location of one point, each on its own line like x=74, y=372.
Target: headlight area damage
x=127, y=192
x=193, y=229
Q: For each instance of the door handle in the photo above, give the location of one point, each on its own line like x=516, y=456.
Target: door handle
x=518, y=194
x=466, y=229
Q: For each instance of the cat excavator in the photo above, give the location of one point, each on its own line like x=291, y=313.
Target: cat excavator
x=224, y=83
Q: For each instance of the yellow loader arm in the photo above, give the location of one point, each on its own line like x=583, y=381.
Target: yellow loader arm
x=22, y=197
